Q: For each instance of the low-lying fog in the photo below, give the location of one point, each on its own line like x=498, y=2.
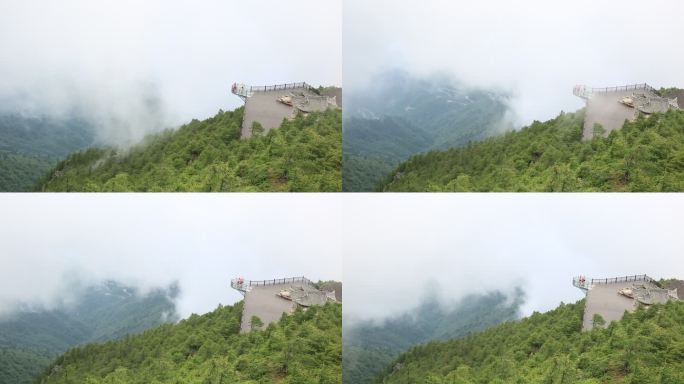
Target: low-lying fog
x=135, y=67
x=537, y=50
x=53, y=245
x=398, y=247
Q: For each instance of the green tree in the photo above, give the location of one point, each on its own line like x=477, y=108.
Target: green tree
x=257, y=128
x=255, y=323
x=551, y=348
x=647, y=154
x=209, y=348
x=598, y=130
x=304, y=154
x=598, y=321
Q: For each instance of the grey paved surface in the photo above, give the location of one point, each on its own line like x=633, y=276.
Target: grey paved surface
x=334, y=286
x=604, y=299
x=680, y=98
x=264, y=108
x=337, y=92
x=679, y=285
x=263, y=302
x=607, y=110
x=308, y=297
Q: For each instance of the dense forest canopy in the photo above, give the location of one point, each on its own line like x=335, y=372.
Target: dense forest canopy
x=646, y=346
x=371, y=346
x=305, y=154
x=305, y=347
x=31, y=145
x=31, y=339
x=645, y=155
x=401, y=115
x=374, y=147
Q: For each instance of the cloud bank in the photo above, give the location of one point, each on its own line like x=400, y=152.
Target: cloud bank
x=397, y=247
x=133, y=67
x=533, y=48
x=390, y=250
x=51, y=246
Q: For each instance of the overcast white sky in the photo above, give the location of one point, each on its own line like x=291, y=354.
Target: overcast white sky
x=537, y=49
x=397, y=245
x=200, y=240
x=387, y=248
x=104, y=54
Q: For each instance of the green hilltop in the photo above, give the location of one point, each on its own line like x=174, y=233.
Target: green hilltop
x=370, y=346
x=305, y=347
x=305, y=154
x=31, y=145
x=646, y=346
x=401, y=115
x=31, y=339
x=645, y=155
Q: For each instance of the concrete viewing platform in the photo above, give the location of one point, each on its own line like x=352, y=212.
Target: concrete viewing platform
x=269, y=299
x=610, y=107
x=611, y=297
x=269, y=105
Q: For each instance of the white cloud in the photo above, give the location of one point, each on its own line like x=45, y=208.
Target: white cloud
x=388, y=249
x=47, y=241
x=395, y=245
x=108, y=57
x=537, y=49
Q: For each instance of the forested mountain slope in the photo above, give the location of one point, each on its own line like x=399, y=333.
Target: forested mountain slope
x=31, y=339
x=369, y=347
x=31, y=145
x=373, y=147
x=303, y=155
x=646, y=346
x=400, y=115
x=305, y=347
x=645, y=155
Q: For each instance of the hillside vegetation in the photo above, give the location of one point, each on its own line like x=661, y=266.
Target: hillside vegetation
x=372, y=148
x=401, y=115
x=19, y=172
x=31, y=339
x=303, y=155
x=369, y=346
x=305, y=347
x=646, y=346
x=31, y=145
x=645, y=155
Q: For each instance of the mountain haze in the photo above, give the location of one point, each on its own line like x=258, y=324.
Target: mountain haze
x=302, y=155
x=31, y=145
x=31, y=338
x=645, y=155
x=646, y=346
x=370, y=346
x=305, y=347
x=400, y=115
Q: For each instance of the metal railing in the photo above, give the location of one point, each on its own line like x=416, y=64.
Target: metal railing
x=278, y=87
x=623, y=279
x=583, y=91
x=632, y=87
x=584, y=283
x=242, y=284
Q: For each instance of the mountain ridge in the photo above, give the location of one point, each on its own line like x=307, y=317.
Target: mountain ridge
x=304, y=154
x=32, y=144
x=371, y=346
x=304, y=347
x=645, y=346
x=401, y=115
x=30, y=339
x=645, y=155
